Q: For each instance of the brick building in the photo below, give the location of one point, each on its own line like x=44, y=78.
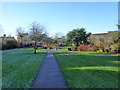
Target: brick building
x=24, y=41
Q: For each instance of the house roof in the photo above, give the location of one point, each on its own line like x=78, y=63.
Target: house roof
x=101, y=34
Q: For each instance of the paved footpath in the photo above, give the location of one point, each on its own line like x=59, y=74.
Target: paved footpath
x=50, y=74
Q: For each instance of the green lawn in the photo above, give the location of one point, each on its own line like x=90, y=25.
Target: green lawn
x=89, y=71
x=87, y=52
x=66, y=47
x=20, y=66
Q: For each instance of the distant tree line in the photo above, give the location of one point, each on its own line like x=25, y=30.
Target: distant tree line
x=36, y=34
x=78, y=38
x=83, y=41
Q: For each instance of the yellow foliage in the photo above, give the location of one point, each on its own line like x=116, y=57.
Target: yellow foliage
x=99, y=51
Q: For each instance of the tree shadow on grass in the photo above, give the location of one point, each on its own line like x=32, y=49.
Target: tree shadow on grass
x=94, y=68
x=89, y=70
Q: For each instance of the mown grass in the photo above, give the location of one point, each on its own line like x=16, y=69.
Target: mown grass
x=87, y=52
x=89, y=71
x=65, y=47
x=20, y=66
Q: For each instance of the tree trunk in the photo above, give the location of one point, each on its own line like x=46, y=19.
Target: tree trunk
x=77, y=44
x=35, y=48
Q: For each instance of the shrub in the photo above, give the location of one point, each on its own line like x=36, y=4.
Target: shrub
x=106, y=50
x=99, y=51
x=101, y=48
x=79, y=48
x=51, y=48
x=115, y=48
x=69, y=49
x=45, y=47
x=41, y=48
x=9, y=44
x=92, y=48
x=74, y=48
x=84, y=47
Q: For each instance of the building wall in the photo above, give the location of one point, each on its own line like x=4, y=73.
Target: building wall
x=25, y=40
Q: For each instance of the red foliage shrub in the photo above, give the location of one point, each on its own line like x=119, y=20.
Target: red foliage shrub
x=53, y=46
x=83, y=47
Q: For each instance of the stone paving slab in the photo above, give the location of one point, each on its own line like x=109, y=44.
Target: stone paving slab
x=50, y=74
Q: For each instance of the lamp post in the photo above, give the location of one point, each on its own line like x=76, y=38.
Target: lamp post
x=118, y=26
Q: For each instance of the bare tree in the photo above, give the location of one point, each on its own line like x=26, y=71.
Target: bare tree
x=59, y=38
x=58, y=35
x=48, y=41
x=37, y=32
x=19, y=32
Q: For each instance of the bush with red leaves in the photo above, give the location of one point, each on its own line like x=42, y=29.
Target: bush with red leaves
x=83, y=47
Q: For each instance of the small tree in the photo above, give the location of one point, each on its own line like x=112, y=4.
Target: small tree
x=37, y=32
x=77, y=36
x=58, y=37
x=48, y=41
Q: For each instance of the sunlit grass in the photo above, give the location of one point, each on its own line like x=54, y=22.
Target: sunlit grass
x=117, y=62
x=89, y=71
x=96, y=68
x=19, y=67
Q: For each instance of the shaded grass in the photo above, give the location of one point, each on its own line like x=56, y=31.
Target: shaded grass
x=89, y=71
x=20, y=66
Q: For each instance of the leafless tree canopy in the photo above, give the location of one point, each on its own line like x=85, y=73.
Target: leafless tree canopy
x=58, y=35
x=19, y=30
x=37, y=31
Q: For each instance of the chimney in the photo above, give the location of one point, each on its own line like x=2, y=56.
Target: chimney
x=4, y=35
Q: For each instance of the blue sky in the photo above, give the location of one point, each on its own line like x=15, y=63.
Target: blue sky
x=95, y=17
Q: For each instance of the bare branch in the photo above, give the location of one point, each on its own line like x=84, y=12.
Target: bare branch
x=20, y=30
x=36, y=32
